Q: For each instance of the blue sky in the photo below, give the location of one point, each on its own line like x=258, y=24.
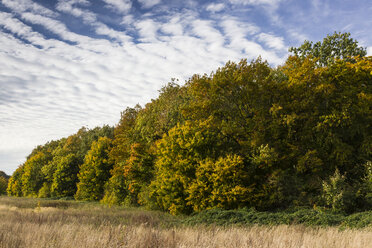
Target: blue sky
x=65, y=64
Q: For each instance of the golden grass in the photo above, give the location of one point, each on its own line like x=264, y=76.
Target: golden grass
x=105, y=227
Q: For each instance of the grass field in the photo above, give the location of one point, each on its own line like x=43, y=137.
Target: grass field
x=27, y=222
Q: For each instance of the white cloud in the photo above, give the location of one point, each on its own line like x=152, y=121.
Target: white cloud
x=240, y=37
x=127, y=20
x=122, y=6
x=20, y=6
x=50, y=88
x=255, y=2
x=17, y=27
x=147, y=30
x=207, y=31
x=173, y=26
x=272, y=41
x=149, y=3
x=54, y=26
x=234, y=28
x=215, y=7
x=103, y=29
x=68, y=6
x=369, y=51
x=297, y=36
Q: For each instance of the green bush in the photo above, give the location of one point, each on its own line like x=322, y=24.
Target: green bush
x=304, y=216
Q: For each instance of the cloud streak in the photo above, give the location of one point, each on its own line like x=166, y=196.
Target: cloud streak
x=122, y=6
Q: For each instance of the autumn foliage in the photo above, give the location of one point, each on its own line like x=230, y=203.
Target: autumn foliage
x=247, y=135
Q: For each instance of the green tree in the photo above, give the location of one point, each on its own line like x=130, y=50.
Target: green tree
x=338, y=194
x=321, y=122
x=162, y=114
x=65, y=176
x=124, y=135
x=336, y=46
x=138, y=172
x=130, y=178
x=32, y=177
x=49, y=169
x=95, y=171
x=116, y=190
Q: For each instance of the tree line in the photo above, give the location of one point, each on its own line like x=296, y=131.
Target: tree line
x=247, y=135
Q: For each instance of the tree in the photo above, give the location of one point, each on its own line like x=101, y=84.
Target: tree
x=49, y=169
x=95, y=171
x=338, y=194
x=223, y=184
x=116, y=190
x=3, y=185
x=4, y=175
x=178, y=156
x=138, y=172
x=3, y=182
x=336, y=46
x=161, y=114
x=65, y=176
x=124, y=135
x=15, y=182
x=130, y=178
x=32, y=177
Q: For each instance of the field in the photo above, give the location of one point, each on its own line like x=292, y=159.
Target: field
x=27, y=222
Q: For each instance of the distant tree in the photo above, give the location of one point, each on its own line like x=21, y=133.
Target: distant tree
x=3, y=185
x=4, y=175
x=3, y=182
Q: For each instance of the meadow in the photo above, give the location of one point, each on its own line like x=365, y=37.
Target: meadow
x=31, y=222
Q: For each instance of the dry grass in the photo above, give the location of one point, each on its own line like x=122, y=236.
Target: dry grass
x=104, y=227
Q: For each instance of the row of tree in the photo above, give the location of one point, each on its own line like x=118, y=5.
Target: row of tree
x=247, y=135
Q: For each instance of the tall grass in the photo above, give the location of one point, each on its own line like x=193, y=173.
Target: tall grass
x=31, y=223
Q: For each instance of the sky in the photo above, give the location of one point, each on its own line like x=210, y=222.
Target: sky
x=65, y=64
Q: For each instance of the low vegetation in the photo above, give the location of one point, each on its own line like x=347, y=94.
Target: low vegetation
x=306, y=217
x=29, y=222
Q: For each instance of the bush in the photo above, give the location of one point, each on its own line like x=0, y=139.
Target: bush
x=304, y=216
x=337, y=193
